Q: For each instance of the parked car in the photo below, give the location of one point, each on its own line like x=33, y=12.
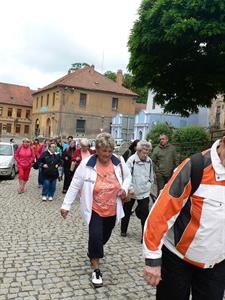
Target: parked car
x=8, y=166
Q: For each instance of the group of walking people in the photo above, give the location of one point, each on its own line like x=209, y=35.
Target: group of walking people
x=183, y=235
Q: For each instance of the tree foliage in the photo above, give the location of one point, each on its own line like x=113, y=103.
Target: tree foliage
x=160, y=128
x=177, y=47
x=190, y=140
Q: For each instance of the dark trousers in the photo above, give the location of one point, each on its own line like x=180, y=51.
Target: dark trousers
x=161, y=181
x=40, y=176
x=100, y=230
x=180, y=278
x=141, y=211
x=68, y=175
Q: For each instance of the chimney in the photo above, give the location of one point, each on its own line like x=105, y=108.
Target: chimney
x=92, y=69
x=119, y=77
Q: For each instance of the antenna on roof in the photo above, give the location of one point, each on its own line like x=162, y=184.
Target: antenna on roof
x=102, y=67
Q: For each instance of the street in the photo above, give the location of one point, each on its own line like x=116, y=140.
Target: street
x=44, y=256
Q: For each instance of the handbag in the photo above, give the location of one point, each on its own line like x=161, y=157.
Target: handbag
x=73, y=165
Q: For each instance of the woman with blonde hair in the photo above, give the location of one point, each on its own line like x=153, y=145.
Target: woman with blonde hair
x=24, y=157
x=103, y=180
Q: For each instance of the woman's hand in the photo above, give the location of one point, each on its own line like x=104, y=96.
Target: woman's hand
x=64, y=212
x=121, y=193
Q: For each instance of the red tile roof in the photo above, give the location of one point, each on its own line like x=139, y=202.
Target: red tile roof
x=89, y=79
x=15, y=94
x=139, y=107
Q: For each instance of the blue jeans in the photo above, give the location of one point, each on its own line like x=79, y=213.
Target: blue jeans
x=49, y=186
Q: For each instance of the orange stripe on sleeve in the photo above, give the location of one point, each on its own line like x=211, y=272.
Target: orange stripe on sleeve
x=193, y=226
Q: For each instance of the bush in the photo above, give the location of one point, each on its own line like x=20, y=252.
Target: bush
x=189, y=140
x=158, y=129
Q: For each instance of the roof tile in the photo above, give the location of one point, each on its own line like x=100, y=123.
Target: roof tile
x=89, y=79
x=15, y=94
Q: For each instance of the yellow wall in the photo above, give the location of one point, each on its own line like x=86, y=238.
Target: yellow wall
x=4, y=119
x=68, y=102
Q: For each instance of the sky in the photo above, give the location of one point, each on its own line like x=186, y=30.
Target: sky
x=41, y=39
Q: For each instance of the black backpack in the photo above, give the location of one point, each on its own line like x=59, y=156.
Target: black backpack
x=197, y=168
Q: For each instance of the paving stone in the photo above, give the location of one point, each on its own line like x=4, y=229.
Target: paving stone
x=44, y=256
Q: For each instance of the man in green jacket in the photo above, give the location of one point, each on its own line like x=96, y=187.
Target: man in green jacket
x=164, y=159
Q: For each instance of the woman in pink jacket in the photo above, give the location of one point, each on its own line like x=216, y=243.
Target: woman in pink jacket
x=24, y=156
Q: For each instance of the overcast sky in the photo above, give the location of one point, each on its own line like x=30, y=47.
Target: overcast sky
x=41, y=39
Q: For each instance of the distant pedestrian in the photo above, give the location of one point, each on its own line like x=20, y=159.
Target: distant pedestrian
x=67, y=160
x=36, y=146
x=82, y=152
x=49, y=162
x=24, y=157
x=42, y=149
x=141, y=168
x=164, y=159
x=103, y=180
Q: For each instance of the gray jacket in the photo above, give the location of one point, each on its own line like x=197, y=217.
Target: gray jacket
x=142, y=176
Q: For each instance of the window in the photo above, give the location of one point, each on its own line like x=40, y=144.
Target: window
x=19, y=113
x=8, y=128
x=1, y=111
x=9, y=113
x=26, y=129
x=41, y=101
x=37, y=102
x=53, y=99
x=83, y=98
x=114, y=103
x=47, y=100
x=18, y=128
x=80, y=126
x=27, y=114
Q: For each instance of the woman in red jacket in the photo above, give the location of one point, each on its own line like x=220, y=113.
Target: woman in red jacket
x=24, y=157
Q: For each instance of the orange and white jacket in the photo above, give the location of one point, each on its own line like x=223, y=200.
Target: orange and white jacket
x=193, y=227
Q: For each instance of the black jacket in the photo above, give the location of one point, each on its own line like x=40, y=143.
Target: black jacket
x=53, y=161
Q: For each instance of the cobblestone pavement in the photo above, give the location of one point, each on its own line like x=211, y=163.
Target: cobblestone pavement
x=43, y=256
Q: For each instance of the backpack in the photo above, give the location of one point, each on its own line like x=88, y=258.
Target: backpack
x=197, y=168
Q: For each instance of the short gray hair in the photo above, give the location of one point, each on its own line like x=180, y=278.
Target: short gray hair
x=144, y=144
x=105, y=140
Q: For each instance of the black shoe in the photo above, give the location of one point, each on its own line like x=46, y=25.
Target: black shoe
x=123, y=234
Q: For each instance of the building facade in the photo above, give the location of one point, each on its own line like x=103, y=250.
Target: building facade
x=15, y=110
x=147, y=117
x=217, y=113
x=82, y=103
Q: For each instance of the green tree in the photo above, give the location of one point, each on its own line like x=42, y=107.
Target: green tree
x=111, y=75
x=76, y=66
x=190, y=140
x=177, y=47
x=160, y=128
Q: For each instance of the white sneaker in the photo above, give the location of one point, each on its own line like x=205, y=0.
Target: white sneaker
x=50, y=198
x=97, y=278
x=44, y=198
